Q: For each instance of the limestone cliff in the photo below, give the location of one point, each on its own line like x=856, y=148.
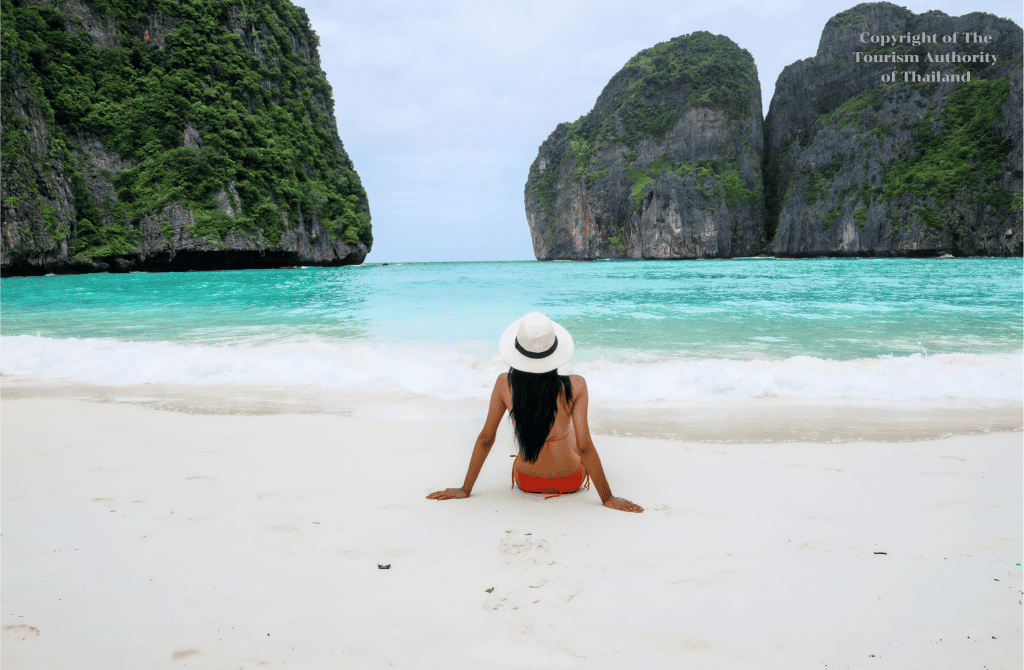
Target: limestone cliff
x=666, y=165
x=858, y=167
x=159, y=135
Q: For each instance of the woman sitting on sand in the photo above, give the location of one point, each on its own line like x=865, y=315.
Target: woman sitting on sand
x=549, y=414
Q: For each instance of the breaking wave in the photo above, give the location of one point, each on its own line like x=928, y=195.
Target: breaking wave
x=373, y=368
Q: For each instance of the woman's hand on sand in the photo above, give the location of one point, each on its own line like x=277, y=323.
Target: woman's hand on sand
x=448, y=494
x=623, y=505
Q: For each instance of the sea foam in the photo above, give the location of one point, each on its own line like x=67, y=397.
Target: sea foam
x=362, y=367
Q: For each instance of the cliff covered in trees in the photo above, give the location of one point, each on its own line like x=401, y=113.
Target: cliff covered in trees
x=666, y=165
x=674, y=161
x=164, y=135
x=921, y=166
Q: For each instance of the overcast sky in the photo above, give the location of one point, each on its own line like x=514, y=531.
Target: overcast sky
x=443, y=105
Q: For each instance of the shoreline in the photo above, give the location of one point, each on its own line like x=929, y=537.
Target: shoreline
x=143, y=538
x=757, y=420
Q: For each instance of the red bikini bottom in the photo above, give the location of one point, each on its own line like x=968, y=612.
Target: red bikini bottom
x=554, y=485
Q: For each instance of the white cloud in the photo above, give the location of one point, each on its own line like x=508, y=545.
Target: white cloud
x=514, y=30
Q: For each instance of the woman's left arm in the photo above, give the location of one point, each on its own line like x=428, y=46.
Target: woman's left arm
x=588, y=452
x=483, y=445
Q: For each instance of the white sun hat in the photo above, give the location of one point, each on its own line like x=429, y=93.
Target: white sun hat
x=535, y=343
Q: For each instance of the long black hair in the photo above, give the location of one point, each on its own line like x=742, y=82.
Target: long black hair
x=534, y=403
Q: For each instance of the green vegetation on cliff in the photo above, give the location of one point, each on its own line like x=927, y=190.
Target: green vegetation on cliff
x=260, y=125
x=708, y=69
x=849, y=113
x=901, y=169
x=726, y=180
x=640, y=179
x=960, y=151
x=712, y=69
x=660, y=83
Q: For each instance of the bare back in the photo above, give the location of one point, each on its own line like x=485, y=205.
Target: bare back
x=559, y=456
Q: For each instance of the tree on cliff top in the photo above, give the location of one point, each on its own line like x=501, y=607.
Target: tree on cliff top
x=646, y=97
x=244, y=78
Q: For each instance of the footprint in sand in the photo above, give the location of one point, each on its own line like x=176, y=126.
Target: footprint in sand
x=185, y=654
x=18, y=632
x=559, y=592
x=517, y=599
x=523, y=550
x=529, y=578
x=498, y=601
x=524, y=627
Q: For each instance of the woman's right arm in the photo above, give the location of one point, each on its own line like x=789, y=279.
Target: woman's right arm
x=588, y=452
x=483, y=445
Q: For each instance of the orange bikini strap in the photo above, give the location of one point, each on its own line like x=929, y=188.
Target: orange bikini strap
x=560, y=437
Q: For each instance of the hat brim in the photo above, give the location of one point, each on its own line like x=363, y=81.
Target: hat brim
x=559, y=357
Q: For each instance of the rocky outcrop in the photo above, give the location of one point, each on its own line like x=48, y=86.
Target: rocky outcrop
x=205, y=140
x=856, y=166
x=666, y=165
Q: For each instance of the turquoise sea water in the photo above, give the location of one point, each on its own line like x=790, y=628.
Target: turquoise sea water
x=704, y=330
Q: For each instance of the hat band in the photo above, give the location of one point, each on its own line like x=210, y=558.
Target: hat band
x=532, y=354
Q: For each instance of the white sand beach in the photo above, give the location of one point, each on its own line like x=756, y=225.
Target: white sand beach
x=135, y=538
